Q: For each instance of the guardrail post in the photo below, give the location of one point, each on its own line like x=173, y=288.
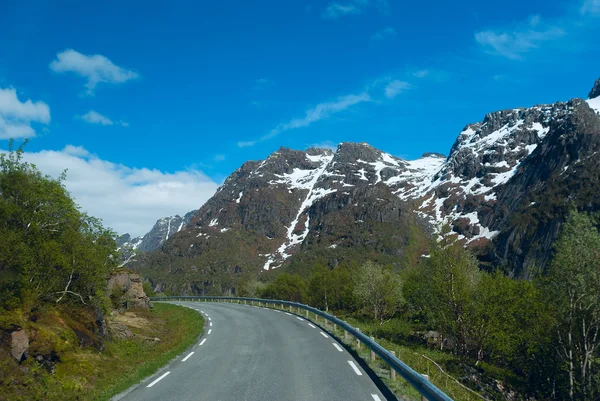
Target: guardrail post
x=345, y=336
x=372, y=352
x=357, y=340
x=316, y=318
x=307, y=313
x=392, y=371
x=290, y=308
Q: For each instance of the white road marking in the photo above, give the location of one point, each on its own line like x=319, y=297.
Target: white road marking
x=324, y=335
x=355, y=368
x=337, y=347
x=266, y=308
x=202, y=342
x=289, y=314
x=312, y=326
x=187, y=357
x=202, y=311
x=209, y=330
x=375, y=397
x=299, y=318
x=210, y=324
x=209, y=319
x=157, y=380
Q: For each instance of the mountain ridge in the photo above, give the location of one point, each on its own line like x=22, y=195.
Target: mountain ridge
x=269, y=210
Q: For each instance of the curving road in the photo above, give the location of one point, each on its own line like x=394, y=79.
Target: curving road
x=254, y=354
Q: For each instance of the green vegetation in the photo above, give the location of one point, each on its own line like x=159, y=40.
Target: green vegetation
x=50, y=250
x=55, y=262
x=539, y=338
x=86, y=373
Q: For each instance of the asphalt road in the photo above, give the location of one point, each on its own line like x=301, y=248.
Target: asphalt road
x=254, y=354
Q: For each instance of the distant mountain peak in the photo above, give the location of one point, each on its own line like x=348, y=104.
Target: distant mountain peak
x=595, y=92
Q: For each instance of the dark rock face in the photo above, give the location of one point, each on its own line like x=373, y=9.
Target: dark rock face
x=595, y=92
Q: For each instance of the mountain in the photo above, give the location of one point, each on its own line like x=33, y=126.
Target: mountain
x=160, y=232
x=504, y=191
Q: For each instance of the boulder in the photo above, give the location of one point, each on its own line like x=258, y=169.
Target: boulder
x=126, y=290
x=19, y=344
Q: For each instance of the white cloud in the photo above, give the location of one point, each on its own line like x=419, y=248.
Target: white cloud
x=319, y=112
x=590, y=7
x=93, y=117
x=95, y=68
x=337, y=10
x=396, y=87
x=513, y=44
x=127, y=199
x=421, y=73
x=16, y=116
x=384, y=33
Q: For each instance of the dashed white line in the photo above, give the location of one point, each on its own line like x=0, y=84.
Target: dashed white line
x=202, y=311
x=210, y=324
x=209, y=331
x=157, y=380
x=187, y=357
x=299, y=318
x=266, y=308
x=289, y=314
x=355, y=368
x=375, y=397
x=314, y=327
x=202, y=342
x=324, y=335
x=209, y=319
x=338, y=347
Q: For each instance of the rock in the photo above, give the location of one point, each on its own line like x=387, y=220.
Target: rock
x=19, y=344
x=595, y=92
x=127, y=291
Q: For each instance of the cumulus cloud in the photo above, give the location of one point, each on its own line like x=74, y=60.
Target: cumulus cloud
x=127, y=199
x=384, y=33
x=319, y=112
x=94, y=68
x=514, y=43
x=396, y=87
x=16, y=116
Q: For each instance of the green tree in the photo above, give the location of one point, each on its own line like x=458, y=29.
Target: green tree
x=49, y=249
x=286, y=287
x=378, y=290
x=573, y=286
x=447, y=282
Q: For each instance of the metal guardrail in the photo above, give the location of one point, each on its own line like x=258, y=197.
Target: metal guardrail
x=420, y=383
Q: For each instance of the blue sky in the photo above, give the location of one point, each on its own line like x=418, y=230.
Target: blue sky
x=160, y=101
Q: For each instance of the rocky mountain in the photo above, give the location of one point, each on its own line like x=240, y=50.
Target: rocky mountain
x=160, y=232
x=504, y=190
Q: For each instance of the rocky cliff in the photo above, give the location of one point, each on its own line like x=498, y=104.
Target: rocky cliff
x=503, y=190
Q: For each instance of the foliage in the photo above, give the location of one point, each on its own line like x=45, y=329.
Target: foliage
x=378, y=291
x=573, y=285
x=289, y=287
x=50, y=250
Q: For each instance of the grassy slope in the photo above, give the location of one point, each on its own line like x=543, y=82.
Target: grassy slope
x=87, y=374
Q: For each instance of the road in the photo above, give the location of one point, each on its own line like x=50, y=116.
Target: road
x=254, y=354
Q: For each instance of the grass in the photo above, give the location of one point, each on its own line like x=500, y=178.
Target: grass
x=88, y=374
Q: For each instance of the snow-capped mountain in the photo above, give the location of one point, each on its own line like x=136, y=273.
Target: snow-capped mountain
x=504, y=190
x=162, y=230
